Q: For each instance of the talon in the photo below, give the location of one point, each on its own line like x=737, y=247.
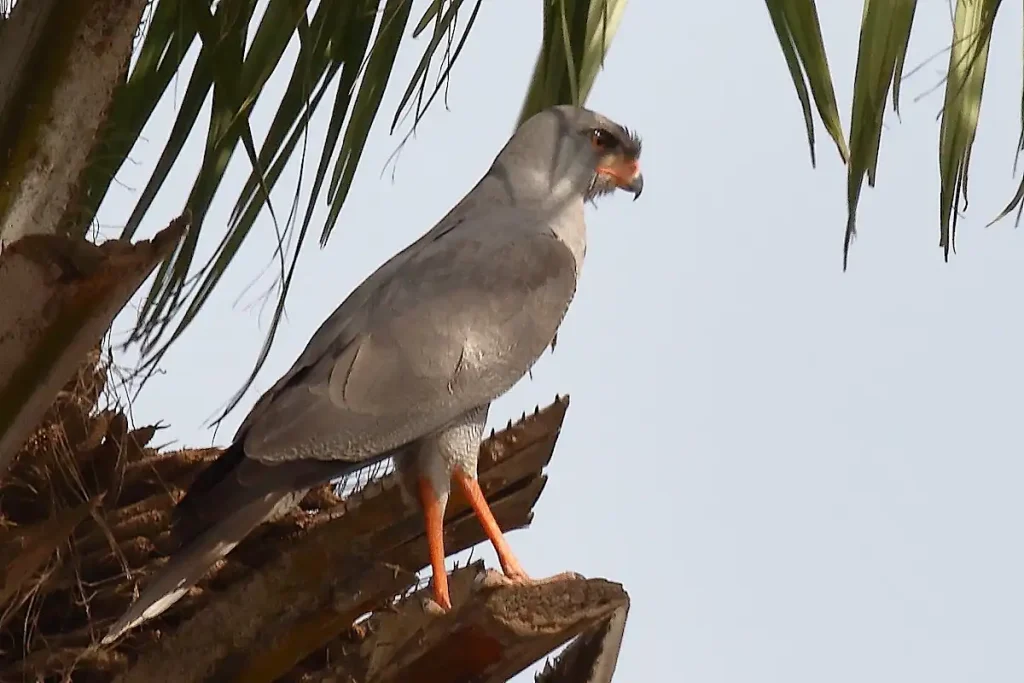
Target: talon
x=433, y=608
x=513, y=570
x=493, y=579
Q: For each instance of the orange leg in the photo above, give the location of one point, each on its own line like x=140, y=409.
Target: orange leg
x=433, y=517
x=476, y=499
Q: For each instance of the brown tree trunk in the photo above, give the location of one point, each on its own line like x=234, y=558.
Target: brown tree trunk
x=58, y=71
x=59, y=66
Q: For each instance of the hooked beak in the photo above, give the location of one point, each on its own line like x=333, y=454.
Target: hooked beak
x=636, y=185
x=626, y=175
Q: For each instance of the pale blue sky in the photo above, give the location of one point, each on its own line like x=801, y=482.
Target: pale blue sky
x=798, y=474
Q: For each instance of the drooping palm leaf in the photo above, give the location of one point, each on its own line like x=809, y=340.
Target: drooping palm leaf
x=884, y=36
x=968, y=59
x=576, y=38
x=796, y=26
x=349, y=45
x=885, y=32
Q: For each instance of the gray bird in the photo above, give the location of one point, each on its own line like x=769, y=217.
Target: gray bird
x=409, y=363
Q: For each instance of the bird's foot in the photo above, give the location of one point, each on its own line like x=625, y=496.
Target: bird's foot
x=434, y=608
x=494, y=579
x=440, y=603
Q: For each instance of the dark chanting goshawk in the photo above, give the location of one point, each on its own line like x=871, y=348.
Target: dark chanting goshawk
x=408, y=364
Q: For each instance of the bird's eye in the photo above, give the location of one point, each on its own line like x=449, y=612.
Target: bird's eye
x=602, y=139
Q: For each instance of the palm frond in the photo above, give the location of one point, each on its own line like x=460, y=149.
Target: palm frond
x=349, y=47
x=884, y=36
x=575, y=40
x=972, y=35
x=796, y=26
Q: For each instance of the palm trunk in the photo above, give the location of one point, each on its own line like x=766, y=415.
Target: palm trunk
x=58, y=71
x=59, y=65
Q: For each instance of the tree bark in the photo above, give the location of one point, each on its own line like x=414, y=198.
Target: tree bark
x=20, y=35
x=592, y=656
x=60, y=295
x=58, y=71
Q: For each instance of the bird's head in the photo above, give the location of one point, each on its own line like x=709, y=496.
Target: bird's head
x=579, y=149
x=615, y=151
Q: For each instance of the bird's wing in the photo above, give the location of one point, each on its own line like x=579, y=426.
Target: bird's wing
x=337, y=330
x=460, y=320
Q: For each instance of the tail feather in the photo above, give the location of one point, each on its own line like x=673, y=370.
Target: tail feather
x=228, y=499
x=188, y=565
x=233, y=478
x=194, y=513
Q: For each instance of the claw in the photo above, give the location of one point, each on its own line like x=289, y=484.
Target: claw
x=431, y=607
x=493, y=579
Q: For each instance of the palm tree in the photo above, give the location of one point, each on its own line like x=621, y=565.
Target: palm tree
x=82, y=497
x=884, y=37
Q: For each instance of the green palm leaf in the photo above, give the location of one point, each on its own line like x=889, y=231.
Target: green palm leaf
x=348, y=45
x=884, y=35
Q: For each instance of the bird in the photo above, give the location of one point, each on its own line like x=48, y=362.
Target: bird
x=407, y=366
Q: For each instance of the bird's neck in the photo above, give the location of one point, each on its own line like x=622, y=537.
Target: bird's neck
x=571, y=228
x=557, y=202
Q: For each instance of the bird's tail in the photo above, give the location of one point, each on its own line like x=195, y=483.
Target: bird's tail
x=188, y=565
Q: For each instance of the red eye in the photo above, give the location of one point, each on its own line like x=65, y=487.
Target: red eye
x=602, y=139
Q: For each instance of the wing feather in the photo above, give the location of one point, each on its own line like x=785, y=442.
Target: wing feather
x=456, y=325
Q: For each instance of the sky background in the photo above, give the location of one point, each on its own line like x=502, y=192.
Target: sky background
x=798, y=474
